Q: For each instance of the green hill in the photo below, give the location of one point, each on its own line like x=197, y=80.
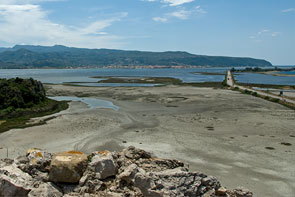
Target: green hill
x=27, y=56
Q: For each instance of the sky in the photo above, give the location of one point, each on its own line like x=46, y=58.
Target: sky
x=263, y=29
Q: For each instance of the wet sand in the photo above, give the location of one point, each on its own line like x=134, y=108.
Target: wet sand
x=234, y=137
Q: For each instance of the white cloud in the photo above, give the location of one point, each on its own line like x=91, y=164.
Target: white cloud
x=18, y=2
x=160, y=19
x=275, y=34
x=171, y=2
x=176, y=2
x=200, y=10
x=181, y=14
x=264, y=33
x=289, y=10
x=29, y=24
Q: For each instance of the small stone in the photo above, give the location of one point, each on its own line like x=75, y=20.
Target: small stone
x=221, y=191
x=134, y=153
x=83, y=180
x=32, y=150
x=242, y=192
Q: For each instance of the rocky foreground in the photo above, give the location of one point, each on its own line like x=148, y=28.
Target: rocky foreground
x=131, y=172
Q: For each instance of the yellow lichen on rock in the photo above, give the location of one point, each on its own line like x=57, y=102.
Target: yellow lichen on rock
x=103, y=153
x=68, y=167
x=32, y=150
x=75, y=152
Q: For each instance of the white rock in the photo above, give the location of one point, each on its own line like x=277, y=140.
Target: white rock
x=14, y=182
x=46, y=190
x=103, y=163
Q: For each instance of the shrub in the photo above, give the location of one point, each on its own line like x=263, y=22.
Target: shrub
x=276, y=100
x=20, y=93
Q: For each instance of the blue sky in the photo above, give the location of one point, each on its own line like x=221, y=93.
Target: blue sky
x=254, y=28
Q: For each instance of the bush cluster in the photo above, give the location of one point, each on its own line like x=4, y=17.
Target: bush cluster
x=20, y=93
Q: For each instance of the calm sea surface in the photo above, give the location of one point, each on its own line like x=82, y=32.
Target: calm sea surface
x=59, y=76
x=265, y=79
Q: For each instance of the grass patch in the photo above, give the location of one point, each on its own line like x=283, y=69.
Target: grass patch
x=247, y=92
x=254, y=94
x=19, y=118
x=204, y=84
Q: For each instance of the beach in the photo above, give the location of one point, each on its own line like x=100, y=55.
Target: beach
x=240, y=139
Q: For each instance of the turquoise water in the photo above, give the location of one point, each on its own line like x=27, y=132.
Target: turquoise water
x=91, y=102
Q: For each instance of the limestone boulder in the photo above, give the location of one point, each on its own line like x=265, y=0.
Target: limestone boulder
x=104, y=164
x=14, y=182
x=67, y=167
x=46, y=190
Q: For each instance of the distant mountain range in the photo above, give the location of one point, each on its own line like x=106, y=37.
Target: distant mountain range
x=58, y=56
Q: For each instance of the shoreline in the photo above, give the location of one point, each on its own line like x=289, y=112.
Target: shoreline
x=275, y=73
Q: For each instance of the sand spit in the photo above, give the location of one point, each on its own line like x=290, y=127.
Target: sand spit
x=234, y=137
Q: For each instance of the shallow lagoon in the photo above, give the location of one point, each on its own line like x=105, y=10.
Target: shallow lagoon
x=264, y=79
x=91, y=102
x=59, y=76
x=84, y=77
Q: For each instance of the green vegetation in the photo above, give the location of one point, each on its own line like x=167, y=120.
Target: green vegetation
x=272, y=86
x=20, y=93
x=258, y=69
x=159, y=80
x=26, y=56
x=22, y=99
x=254, y=94
x=205, y=84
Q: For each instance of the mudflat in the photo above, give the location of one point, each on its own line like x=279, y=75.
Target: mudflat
x=238, y=138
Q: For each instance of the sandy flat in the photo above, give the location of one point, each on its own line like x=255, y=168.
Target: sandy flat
x=219, y=132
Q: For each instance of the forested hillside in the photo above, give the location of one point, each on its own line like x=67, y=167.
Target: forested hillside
x=27, y=56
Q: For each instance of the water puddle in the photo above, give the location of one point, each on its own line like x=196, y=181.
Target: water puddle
x=91, y=102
